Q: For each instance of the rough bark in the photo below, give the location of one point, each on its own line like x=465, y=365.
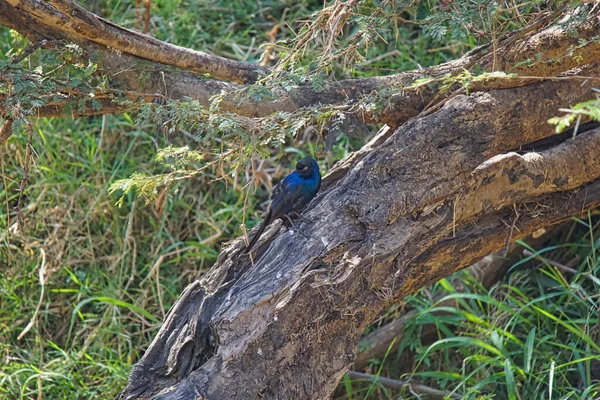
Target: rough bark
x=560, y=48
x=439, y=193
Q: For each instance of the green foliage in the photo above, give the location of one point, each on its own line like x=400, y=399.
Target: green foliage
x=173, y=158
x=58, y=75
x=466, y=79
x=231, y=140
x=234, y=29
x=350, y=38
x=180, y=156
x=589, y=109
x=482, y=20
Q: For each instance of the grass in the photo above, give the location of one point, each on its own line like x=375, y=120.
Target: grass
x=110, y=273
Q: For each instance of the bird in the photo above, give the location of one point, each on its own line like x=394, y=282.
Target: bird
x=291, y=195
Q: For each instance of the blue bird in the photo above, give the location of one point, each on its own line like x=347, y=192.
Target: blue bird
x=292, y=194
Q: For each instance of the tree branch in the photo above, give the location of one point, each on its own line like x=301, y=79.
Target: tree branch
x=430, y=393
x=77, y=23
x=399, y=98
x=487, y=271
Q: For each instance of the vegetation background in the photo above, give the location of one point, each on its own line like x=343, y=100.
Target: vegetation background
x=99, y=272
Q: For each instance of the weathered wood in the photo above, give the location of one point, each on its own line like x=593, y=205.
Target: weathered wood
x=438, y=194
x=487, y=272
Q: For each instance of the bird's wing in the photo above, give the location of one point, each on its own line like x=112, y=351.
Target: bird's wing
x=285, y=195
x=278, y=189
x=301, y=201
x=308, y=191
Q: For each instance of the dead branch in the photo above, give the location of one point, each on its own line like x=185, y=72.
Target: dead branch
x=427, y=392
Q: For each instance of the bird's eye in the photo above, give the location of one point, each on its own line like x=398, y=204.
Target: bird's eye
x=304, y=168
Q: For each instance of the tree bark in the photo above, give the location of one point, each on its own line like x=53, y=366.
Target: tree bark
x=487, y=272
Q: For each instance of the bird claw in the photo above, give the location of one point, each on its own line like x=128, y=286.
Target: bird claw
x=294, y=227
x=301, y=233
x=300, y=218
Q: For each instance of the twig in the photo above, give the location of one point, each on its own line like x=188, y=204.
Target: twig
x=5, y=131
x=392, y=53
x=33, y=47
x=556, y=264
x=25, y=178
x=7, y=231
x=401, y=384
x=42, y=275
x=512, y=229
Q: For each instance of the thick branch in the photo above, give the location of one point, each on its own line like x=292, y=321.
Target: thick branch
x=415, y=208
x=487, y=271
x=77, y=24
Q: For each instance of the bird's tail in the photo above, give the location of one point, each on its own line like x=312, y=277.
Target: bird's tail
x=261, y=229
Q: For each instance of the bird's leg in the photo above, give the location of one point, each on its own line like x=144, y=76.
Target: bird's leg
x=294, y=226
x=300, y=217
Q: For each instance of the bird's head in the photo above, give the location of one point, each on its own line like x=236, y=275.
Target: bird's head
x=307, y=167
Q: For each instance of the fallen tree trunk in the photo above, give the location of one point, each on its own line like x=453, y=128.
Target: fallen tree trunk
x=441, y=192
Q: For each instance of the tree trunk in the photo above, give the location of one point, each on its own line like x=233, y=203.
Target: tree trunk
x=488, y=271
x=447, y=187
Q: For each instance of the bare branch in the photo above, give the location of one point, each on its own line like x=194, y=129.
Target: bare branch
x=430, y=393
x=79, y=24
